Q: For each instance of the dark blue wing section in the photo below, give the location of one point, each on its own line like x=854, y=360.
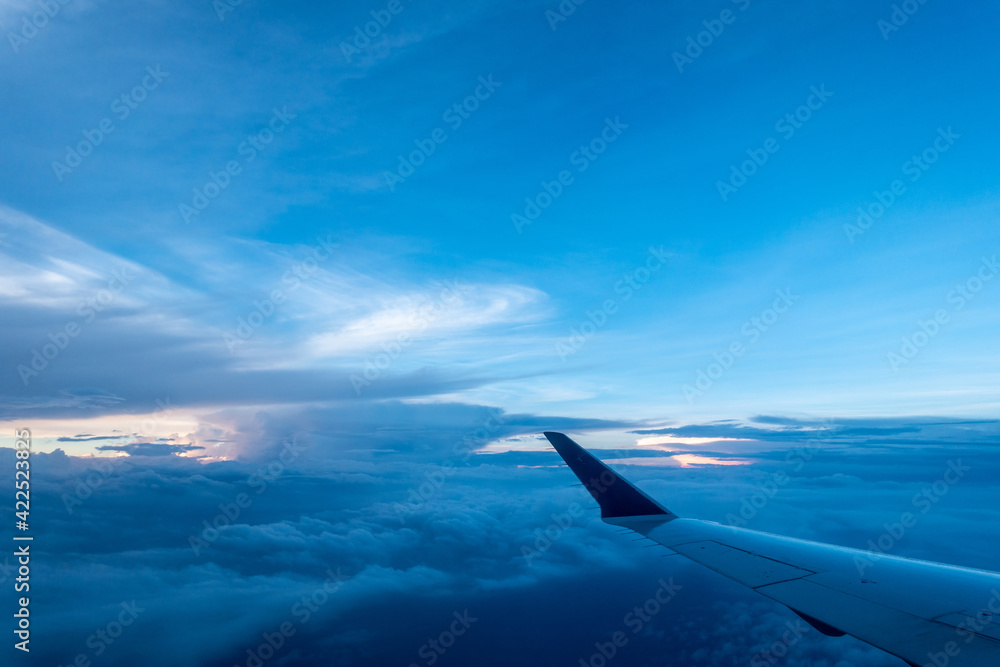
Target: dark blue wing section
x=616, y=496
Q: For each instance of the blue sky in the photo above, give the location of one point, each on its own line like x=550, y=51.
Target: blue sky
x=209, y=246
x=655, y=185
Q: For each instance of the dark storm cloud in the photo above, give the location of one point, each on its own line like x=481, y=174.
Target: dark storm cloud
x=430, y=432
x=149, y=448
x=92, y=374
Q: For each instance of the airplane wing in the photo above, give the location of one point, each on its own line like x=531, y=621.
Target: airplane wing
x=928, y=614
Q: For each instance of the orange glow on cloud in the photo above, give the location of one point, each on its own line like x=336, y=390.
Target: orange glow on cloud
x=658, y=440
x=695, y=460
x=684, y=461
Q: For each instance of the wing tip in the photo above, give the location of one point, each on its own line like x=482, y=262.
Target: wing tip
x=616, y=496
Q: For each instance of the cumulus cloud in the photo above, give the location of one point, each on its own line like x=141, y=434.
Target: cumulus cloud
x=373, y=521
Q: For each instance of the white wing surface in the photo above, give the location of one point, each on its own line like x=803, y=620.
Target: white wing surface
x=928, y=614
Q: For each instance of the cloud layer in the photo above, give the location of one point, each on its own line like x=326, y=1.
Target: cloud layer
x=387, y=533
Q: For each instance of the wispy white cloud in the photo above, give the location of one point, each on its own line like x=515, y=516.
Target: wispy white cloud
x=144, y=335
x=452, y=309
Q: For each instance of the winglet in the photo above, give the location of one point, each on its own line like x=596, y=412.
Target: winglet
x=616, y=495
